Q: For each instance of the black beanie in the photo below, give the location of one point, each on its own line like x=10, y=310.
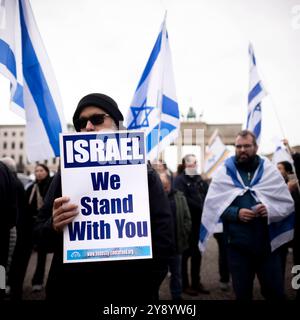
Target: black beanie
x=102, y=101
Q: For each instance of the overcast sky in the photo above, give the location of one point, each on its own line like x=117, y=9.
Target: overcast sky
x=103, y=46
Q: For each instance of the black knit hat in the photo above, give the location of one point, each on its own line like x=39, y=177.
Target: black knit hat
x=102, y=101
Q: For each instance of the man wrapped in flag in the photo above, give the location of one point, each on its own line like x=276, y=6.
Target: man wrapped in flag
x=154, y=106
x=255, y=96
x=34, y=92
x=252, y=200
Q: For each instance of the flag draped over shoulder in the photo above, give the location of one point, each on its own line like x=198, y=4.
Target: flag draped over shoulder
x=154, y=107
x=215, y=155
x=34, y=92
x=255, y=96
x=267, y=186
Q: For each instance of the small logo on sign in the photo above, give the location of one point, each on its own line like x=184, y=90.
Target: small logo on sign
x=75, y=254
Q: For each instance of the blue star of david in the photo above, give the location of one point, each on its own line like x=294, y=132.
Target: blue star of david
x=137, y=112
x=257, y=108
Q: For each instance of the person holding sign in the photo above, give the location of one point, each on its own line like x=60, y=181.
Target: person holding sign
x=126, y=280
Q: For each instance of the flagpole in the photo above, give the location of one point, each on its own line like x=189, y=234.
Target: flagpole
x=159, y=102
x=159, y=95
x=277, y=117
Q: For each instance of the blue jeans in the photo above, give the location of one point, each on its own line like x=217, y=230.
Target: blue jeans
x=243, y=266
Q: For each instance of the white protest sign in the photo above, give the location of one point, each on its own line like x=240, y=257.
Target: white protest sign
x=105, y=174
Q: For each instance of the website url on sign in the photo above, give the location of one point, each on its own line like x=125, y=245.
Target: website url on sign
x=110, y=253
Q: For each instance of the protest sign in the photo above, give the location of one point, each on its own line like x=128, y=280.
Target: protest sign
x=105, y=174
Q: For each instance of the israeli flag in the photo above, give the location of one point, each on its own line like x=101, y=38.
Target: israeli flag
x=216, y=153
x=267, y=186
x=281, y=153
x=154, y=107
x=34, y=92
x=255, y=96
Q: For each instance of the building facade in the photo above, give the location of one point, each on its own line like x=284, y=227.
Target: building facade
x=12, y=141
x=12, y=144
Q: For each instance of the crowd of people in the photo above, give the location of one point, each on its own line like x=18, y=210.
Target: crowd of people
x=255, y=204
x=22, y=203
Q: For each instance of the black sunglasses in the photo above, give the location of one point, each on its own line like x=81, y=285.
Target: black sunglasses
x=95, y=119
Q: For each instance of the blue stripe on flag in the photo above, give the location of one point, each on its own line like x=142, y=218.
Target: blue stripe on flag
x=254, y=92
x=203, y=233
x=7, y=58
x=39, y=89
x=170, y=107
x=154, y=54
x=248, y=119
x=252, y=56
x=165, y=129
x=152, y=137
x=260, y=172
x=18, y=96
x=277, y=228
x=257, y=129
x=232, y=172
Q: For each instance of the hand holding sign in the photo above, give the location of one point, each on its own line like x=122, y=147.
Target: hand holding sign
x=63, y=213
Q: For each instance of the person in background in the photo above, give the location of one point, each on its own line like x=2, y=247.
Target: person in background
x=287, y=172
x=161, y=167
x=182, y=228
x=293, y=185
x=8, y=213
x=257, y=211
x=194, y=188
x=20, y=208
x=35, y=195
x=34, y=199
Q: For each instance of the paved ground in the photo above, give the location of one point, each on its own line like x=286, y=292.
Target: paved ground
x=209, y=277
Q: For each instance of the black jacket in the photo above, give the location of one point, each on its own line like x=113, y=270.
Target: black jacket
x=131, y=280
x=296, y=197
x=8, y=209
